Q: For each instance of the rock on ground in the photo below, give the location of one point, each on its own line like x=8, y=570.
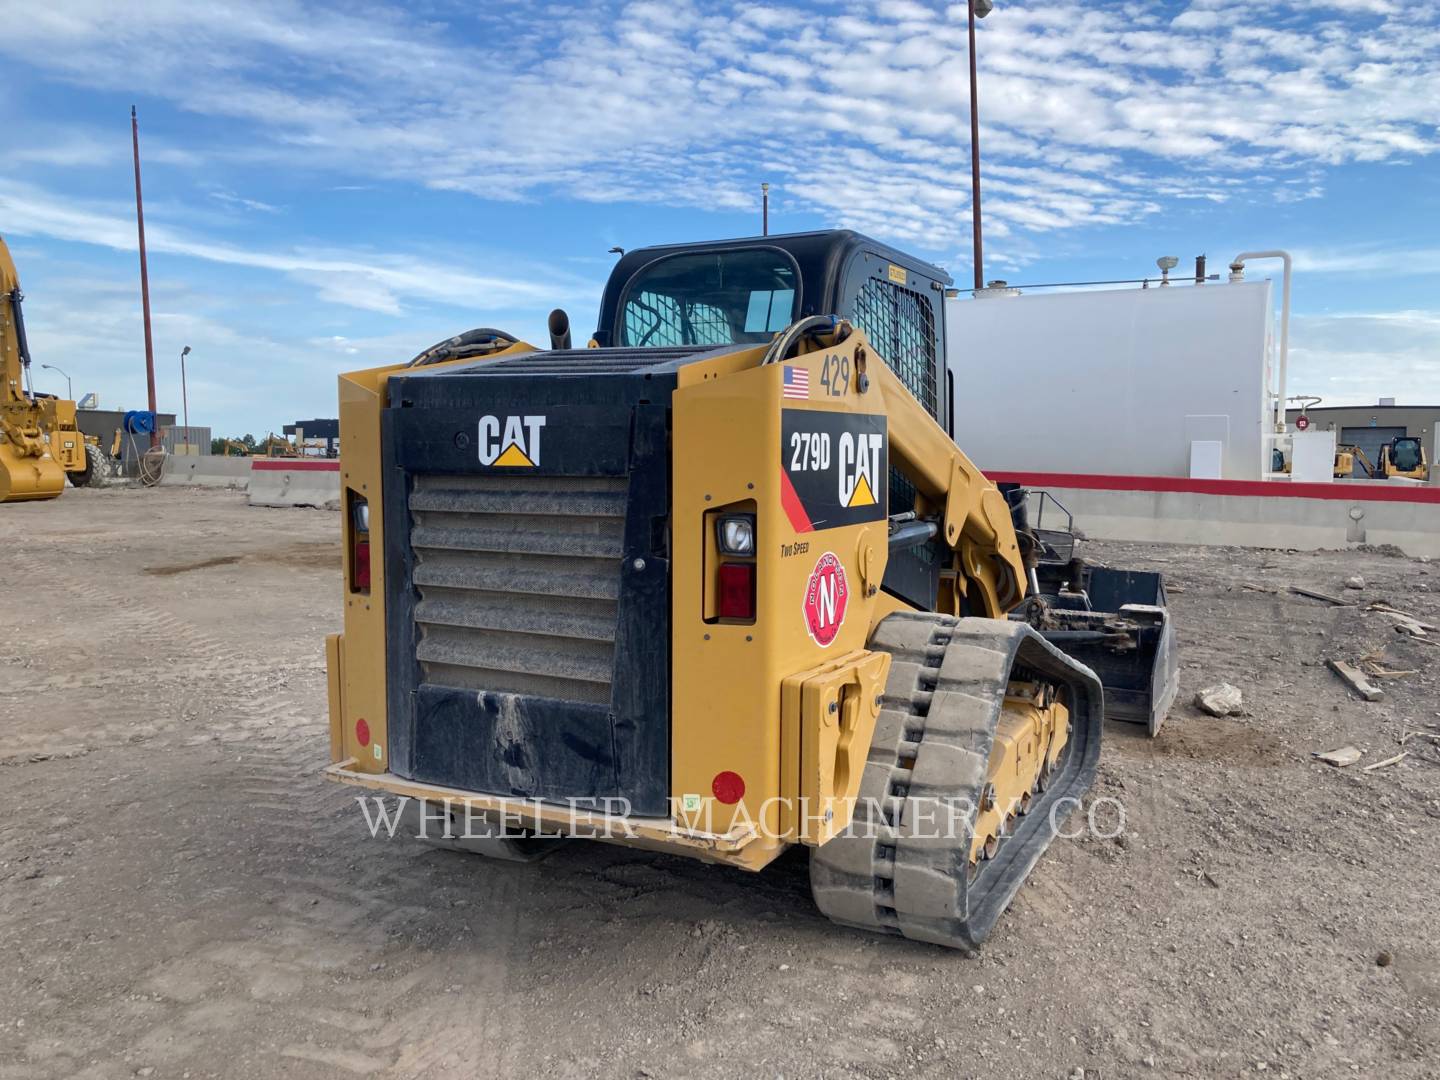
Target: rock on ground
x=1222, y=699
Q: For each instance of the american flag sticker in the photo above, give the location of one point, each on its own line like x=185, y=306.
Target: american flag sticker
x=797, y=383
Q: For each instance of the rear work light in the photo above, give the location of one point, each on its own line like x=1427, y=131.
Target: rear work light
x=358, y=528
x=735, y=597
x=735, y=533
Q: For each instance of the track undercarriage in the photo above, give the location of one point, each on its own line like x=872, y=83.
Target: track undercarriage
x=985, y=731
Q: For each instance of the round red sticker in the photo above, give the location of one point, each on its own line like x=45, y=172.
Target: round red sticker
x=826, y=597
x=1302, y=422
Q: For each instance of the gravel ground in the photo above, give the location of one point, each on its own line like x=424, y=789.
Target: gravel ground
x=181, y=895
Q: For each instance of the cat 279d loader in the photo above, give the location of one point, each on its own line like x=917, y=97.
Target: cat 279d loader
x=720, y=584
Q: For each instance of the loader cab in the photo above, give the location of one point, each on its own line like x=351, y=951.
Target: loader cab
x=747, y=290
x=1406, y=455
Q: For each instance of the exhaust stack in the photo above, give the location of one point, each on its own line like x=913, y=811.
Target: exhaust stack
x=559, y=329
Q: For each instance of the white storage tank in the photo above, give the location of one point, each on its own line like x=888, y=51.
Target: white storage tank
x=1122, y=382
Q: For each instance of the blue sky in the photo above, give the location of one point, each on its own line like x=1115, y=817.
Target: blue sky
x=335, y=187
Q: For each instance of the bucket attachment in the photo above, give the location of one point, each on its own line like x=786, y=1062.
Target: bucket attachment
x=1115, y=622
x=1117, y=626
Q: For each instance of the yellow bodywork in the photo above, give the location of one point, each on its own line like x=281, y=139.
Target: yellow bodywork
x=39, y=439
x=757, y=700
x=1388, y=468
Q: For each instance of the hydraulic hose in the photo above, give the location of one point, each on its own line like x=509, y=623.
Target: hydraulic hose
x=482, y=341
x=812, y=324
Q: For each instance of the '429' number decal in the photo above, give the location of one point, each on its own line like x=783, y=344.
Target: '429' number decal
x=835, y=375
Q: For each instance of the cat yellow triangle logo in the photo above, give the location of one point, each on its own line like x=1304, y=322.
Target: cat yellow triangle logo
x=862, y=495
x=514, y=456
x=510, y=442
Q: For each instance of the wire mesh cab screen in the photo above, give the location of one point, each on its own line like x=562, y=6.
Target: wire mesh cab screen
x=900, y=323
x=711, y=298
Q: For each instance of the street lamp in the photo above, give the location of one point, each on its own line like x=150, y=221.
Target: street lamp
x=764, y=209
x=978, y=10
x=185, y=398
x=69, y=391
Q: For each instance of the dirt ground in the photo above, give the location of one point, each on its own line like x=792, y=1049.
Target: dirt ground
x=182, y=895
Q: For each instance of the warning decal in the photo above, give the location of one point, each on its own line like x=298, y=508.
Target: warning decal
x=834, y=468
x=826, y=597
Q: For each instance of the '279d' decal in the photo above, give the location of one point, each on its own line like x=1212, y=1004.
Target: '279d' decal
x=834, y=468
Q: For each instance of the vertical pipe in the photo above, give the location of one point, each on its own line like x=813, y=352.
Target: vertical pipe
x=975, y=156
x=764, y=209
x=185, y=401
x=1237, y=273
x=144, y=278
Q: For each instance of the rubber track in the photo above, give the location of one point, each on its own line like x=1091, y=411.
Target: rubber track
x=932, y=744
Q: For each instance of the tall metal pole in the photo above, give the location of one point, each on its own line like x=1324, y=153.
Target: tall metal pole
x=69, y=387
x=185, y=398
x=764, y=209
x=975, y=156
x=144, y=277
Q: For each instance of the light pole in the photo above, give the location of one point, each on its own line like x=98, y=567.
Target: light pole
x=69, y=390
x=978, y=10
x=764, y=209
x=185, y=398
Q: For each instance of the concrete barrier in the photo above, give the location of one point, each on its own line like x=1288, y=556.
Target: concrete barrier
x=295, y=482
x=206, y=470
x=1246, y=513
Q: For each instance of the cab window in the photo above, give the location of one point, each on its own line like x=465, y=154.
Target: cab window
x=710, y=298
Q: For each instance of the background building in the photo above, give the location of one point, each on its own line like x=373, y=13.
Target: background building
x=1372, y=426
x=316, y=437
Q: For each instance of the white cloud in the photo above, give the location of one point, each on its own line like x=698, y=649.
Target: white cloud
x=372, y=281
x=1352, y=359
x=691, y=105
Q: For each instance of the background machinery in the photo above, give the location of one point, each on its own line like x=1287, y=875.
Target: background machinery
x=1404, y=456
x=40, y=442
x=720, y=584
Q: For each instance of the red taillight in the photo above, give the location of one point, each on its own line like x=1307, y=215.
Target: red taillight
x=360, y=564
x=358, y=531
x=736, y=594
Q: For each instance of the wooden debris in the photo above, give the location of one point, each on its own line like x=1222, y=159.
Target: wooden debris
x=1388, y=761
x=1252, y=587
x=1355, y=679
x=1408, y=626
x=1313, y=595
x=1418, y=735
x=1386, y=609
x=1342, y=758
x=1375, y=671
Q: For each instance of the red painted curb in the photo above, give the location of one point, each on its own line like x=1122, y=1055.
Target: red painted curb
x=1275, y=489
x=294, y=465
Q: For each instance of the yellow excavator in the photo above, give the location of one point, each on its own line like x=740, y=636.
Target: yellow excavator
x=721, y=584
x=40, y=441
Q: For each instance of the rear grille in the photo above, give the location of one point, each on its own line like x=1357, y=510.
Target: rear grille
x=518, y=580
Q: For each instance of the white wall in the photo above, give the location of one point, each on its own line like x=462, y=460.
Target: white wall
x=1113, y=382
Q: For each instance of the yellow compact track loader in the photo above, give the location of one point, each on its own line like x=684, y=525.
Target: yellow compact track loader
x=1404, y=456
x=40, y=441
x=720, y=584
